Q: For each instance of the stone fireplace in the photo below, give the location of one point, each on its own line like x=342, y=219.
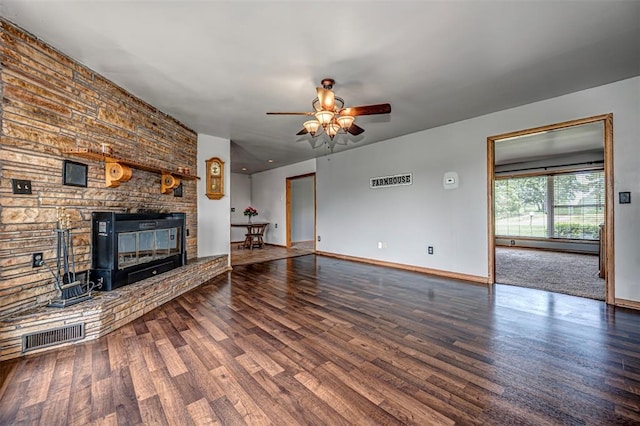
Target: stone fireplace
x=51, y=105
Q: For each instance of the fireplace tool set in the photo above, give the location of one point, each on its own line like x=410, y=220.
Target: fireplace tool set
x=72, y=288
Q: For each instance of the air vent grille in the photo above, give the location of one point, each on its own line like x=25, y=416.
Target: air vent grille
x=52, y=337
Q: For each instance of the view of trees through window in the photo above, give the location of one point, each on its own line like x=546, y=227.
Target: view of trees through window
x=567, y=205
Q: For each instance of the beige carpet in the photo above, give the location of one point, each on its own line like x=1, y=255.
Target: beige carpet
x=568, y=273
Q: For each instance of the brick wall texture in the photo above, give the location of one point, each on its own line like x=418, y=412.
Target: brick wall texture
x=51, y=103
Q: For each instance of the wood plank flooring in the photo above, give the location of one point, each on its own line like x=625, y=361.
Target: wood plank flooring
x=242, y=256
x=320, y=341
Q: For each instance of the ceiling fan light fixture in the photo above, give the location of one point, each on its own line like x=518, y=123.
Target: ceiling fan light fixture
x=331, y=117
x=324, y=117
x=332, y=129
x=327, y=99
x=345, y=121
x=312, y=126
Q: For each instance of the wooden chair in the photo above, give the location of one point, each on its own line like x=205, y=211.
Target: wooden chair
x=254, y=236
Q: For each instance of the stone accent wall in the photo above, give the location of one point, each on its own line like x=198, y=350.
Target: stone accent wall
x=108, y=311
x=51, y=103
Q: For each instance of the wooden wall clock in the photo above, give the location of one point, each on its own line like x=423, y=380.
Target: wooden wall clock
x=215, y=178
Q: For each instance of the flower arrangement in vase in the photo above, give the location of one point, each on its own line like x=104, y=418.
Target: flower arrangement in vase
x=250, y=211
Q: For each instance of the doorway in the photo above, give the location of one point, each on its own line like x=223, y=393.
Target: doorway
x=301, y=211
x=542, y=157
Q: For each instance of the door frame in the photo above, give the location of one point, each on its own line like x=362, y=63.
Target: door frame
x=607, y=120
x=288, y=207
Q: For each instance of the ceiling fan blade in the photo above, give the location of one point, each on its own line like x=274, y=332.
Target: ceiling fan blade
x=327, y=98
x=355, y=130
x=367, y=110
x=290, y=113
x=302, y=132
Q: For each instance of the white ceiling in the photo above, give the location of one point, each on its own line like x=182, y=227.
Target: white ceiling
x=219, y=66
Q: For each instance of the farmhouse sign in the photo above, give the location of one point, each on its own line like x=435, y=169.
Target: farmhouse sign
x=395, y=180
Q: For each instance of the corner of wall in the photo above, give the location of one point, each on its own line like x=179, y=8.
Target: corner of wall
x=214, y=221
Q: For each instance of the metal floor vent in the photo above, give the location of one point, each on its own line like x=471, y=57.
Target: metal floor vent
x=55, y=336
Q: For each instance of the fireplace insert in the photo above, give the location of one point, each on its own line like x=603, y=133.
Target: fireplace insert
x=129, y=247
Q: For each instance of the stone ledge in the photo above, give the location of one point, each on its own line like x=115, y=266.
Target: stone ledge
x=108, y=311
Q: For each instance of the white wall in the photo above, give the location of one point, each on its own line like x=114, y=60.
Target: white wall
x=303, y=209
x=268, y=195
x=213, y=215
x=240, y=200
x=352, y=219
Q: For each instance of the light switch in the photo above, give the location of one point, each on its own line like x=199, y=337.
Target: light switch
x=21, y=186
x=450, y=180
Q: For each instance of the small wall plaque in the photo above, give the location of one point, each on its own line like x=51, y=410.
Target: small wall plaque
x=74, y=174
x=624, y=197
x=177, y=191
x=395, y=180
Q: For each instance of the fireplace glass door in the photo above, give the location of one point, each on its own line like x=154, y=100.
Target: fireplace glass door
x=140, y=247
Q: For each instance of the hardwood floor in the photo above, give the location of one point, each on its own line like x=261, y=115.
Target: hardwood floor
x=242, y=256
x=315, y=340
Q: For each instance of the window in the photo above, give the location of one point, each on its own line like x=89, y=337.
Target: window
x=565, y=205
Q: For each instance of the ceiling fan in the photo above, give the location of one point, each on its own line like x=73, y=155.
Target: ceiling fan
x=330, y=115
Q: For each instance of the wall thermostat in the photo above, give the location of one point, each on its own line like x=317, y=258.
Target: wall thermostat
x=450, y=180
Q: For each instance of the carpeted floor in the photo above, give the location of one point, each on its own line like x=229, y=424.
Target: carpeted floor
x=568, y=273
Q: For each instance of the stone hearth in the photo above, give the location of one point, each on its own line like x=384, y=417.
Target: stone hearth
x=107, y=311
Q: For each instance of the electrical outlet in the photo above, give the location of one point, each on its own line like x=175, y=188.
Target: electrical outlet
x=318, y=238
x=37, y=260
x=21, y=186
x=379, y=244
x=276, y=226
x=430, y=250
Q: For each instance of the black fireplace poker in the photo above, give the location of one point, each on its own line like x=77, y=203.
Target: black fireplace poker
x=70, y=289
